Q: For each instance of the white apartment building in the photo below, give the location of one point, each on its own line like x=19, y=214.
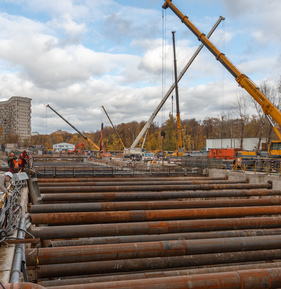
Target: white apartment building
x=15, y=116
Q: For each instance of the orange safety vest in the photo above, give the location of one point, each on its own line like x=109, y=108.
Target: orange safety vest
x=15, y=164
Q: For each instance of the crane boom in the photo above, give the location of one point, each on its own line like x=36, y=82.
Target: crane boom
x=245, y=82
x=114, y=128
x=85, y=137
x=149, y=122
x=179, y=150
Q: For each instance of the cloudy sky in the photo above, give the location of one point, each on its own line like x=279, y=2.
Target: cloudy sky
x=79, y=55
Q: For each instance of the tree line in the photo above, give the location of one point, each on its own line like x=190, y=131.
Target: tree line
x=194, y=133
x=239, y=122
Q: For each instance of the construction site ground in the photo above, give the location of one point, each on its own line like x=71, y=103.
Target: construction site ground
x=216, y=229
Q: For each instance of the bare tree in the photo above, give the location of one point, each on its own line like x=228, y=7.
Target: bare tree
x=12, y=138
x=271, y=93
x=240, y=110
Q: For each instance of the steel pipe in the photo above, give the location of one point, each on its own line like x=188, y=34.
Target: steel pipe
x=164, y=237
x=123, y=178
x=244, y=279
x=136, y=196
x=150, y=228
x=143, y=183
x=156, y=274
x=148, y=250
x=247, y=279
x=152, y=215
x=100, y=267
x=150, y=205
x=122, y=188
x=18, y=262
x=23, y=285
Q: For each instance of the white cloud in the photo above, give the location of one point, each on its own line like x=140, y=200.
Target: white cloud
x=261, y=18
x=80, y=55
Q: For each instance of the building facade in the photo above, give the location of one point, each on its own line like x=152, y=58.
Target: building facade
x=250, y=144
x=63, y=146
x=15, y=117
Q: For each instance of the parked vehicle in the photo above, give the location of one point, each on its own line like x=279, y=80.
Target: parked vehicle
x=148, y=157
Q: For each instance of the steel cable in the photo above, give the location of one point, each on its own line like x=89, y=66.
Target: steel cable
x=10, y=213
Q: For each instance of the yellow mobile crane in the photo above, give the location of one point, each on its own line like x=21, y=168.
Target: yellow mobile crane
x=269, y=109
x=86, y=138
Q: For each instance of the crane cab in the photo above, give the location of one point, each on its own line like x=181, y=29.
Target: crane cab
x=274, y=149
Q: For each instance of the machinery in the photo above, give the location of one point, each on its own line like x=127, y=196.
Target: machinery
x=146, y=127
x=130, y=153
x=114, y=128
x=76, y=151
x=102, y=153
x=180, y=151
x=80, y=133
x=269, y=109
x=226, y=154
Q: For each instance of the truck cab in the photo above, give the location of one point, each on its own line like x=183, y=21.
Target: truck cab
x=148, y=157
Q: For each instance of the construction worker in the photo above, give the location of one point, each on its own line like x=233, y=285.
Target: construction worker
x=12, y=162
x=23, y=160
x=4, y=180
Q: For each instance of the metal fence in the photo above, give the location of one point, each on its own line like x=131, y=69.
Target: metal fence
x=258, y=165
x=132, y=170
x=201, y=162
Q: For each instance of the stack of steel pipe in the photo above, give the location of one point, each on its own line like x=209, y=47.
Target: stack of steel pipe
x=147, y=233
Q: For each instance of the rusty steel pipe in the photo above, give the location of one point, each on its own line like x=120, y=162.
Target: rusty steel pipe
x=150, y=228
x=143, y=183
x=164, y=237
x=244, y=279
x=156, y=274
x=136, y=196
x=122, y=188
x=130, y=265
x=124, y=178
x=152, y=215
x=148, y=250
x=150, y=205
x=23, y=285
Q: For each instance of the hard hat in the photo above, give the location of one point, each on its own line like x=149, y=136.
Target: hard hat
x=9, y=174
x=12, y=154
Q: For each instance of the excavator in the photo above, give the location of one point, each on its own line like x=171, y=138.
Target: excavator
x=80, y=133
x=76, y=150
x=270, y=110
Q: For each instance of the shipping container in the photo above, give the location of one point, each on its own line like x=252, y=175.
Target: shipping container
x=225, y=154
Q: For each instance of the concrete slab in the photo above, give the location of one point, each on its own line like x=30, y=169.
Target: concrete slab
x=252, y=176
